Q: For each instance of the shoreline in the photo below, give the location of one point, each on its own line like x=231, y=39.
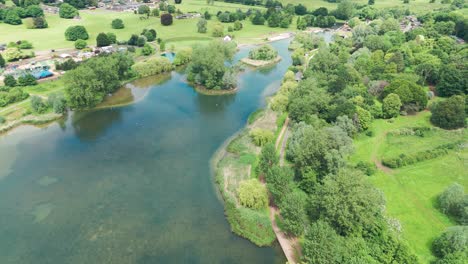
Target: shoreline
x=260, y=63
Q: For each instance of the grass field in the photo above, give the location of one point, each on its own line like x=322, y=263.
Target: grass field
x=411, y=191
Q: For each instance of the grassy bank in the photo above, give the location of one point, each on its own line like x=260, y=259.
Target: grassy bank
x=236, y=162
x=411, y=191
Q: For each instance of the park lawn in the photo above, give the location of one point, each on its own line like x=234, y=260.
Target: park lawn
x=417, y=6
x=411, y=191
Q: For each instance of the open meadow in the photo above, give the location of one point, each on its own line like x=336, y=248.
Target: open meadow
x=411, y=191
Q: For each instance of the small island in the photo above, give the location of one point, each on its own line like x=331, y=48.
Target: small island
x=262, y=56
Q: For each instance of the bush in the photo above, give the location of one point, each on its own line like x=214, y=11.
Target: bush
x=253, y=194
x=37, y=105
x=9, y=81
x=449, y=114
x=152, y=66
x=11, y=17
x=265, y=52
x=40, y=22
x=12, y=96
x=80, y=44
x=111, y=37
x=218, y=30
x=67, y=65
x=24, y=44
x=58, y=103
x=454, y=202
x=2, y=120
x=166, y=19
x=261, y=137
x=391, y=106
x=143, y=9
x=2, y=61
x=183, y=56
x=102, y=40
x=34, y=11
x=147, y=50
x=26, y=80
x=368, y=168
x=67, y=11
x=150, y=34
x=455, y=239
x=76, y=32
x=201, y=25
x=117, y=23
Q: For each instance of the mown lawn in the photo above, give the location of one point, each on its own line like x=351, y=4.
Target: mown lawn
x=411, y=191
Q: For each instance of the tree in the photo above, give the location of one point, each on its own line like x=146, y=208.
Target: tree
x=265, y=52
x=67, y=11
x=178, y=1
x=218, y=30
x=34, y=11
x=183, y=56
x=391, y=106
x=80, y=44
x=141, y=41
x=57, y=102
x=449, y=114
x=2, y=61
x=9, y=81
x=252, y=194
x=152, y=66
x=27, y=80
x=348, y=202
x=322, y=244
x=143, y=9
x=117, y=23
x=268, y=159
x=102, y=40
x=112, y=37
x=345, y=9
x=371, y=2
x=11, y=17
x=452, y=81
x=147, y=50
x=166, y=19
x=279, y=182
x=171, y=9
x=258, y=19
x=300, y=10
x=155, y=12
x=454, y=240
x=76, y=32
x=40, y=22
x=201, y=25
x=293, y=212
x=149, y=34
x=411, y=94
x=453, y=201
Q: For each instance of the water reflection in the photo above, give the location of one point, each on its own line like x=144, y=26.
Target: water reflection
x=89, y=125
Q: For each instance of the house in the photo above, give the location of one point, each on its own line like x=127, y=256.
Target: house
x=227, y=38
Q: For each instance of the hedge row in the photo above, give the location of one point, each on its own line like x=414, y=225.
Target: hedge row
x=408, y=159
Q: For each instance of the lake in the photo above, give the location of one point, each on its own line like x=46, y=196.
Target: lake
x=131, y=184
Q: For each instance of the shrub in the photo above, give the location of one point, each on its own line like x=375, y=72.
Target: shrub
x=76, y=32
x=9, y=81
x=391, y=106
x=368, y=168
x=80, y=44
x=201, y=25
x=143, y=9
x=455, y=239
x=24, y=44
x=265, y=52
x=149, y=34
x=67, y=65
x=2, y=120
x=449, y=114
x=252, y=194
x=2, y=61
x=39, y=22
x=37, y=105
x=261, y=137
x=117, y=23
x=112, y=37
x=218, y=30
x=67, y=11
x=171, y=9
x=141, y=41
x=152, y=66
x=155, y=12
x=58, y=103
x=11, y=17
x=34, y=11
x=102, y=40
x=26, y=80
x=166, y=19
x=454, y=202
x=183, y=56
x=147, y=50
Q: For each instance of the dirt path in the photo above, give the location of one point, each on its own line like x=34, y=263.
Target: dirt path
x=290, y=245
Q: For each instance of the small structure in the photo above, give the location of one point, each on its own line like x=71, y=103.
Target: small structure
x=298, y=76
x=65, y=55
x=227, y=38
x=188, y=16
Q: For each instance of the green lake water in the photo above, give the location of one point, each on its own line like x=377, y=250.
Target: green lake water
x=130, y=184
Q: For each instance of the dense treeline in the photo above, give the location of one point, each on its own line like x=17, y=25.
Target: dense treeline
x=379, y=72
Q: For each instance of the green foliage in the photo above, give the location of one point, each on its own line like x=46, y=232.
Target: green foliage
x=67, y=11
x=391, y=106
x=454, y=240
x=147, y=50
x=2, y=61
x=255, y=116
x=252, y=194
x=412, y=158
x=218, y=30
x=150, y=34
x=89, y=83
x=454, y=202
x=58, y=103
x=322, y=245
x=80, y=44
x=183, y=56
x=117, y=23
x=27, y=80
x=367, y=168
x=12, y=95
x=261, y=137
x=354, y=211
x=2, y=120
x=9, y=81
x=449, y=114
x=166, y=19
x=279, y=182
x=453, y=81
x=411, y=95
x=152, y=66
x=102, y=40
x=207, y=67
x=76, y=32
x=345, y=9
x=201, y=25
x=11, y=17
x=143, y=9
x=265, y=52
x=267, y=159
x=293, y=211
x=37, y=105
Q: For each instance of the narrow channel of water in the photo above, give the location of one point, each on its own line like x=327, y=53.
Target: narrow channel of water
x=130, y=184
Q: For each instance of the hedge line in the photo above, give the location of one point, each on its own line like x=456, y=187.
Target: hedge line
x=408, y=159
